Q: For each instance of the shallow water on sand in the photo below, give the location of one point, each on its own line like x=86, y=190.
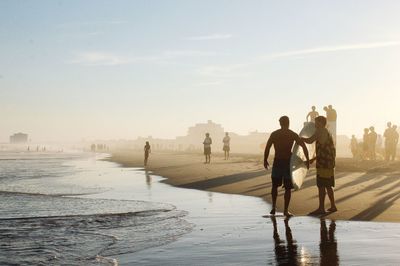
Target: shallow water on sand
x=128, y=216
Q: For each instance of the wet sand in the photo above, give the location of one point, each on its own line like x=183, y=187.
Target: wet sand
x=365, y=191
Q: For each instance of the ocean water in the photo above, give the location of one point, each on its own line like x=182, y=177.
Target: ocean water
x=45, y=221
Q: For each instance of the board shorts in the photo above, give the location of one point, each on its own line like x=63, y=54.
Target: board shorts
x=325, y=181
x=207, y=150
x=281, y=174
x=226, y=148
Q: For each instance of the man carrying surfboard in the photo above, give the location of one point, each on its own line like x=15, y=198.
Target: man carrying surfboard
x=283, y=140
x=325, y=157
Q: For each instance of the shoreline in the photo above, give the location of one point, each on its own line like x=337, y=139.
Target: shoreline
x=365, y=191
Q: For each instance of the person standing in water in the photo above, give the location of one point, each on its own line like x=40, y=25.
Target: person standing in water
x=312, y=115
x=325, y=157
x=282, y=140
x=207, y=148
x=147, y=151
x=227, y=143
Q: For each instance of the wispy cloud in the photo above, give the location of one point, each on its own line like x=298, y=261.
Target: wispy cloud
x=107, y=59
x=329, y=49
x=209, y=37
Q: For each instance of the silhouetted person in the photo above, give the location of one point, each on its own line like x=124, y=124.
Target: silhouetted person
x=372, y=138
x=325, y=157
x=207, y=147
x=354, y=146
x=389, y=141
x=227, y=143
x=395, y=142
x=283, y=140
x=331, y=117
x=312, y=115
x=328, y=245
x=284, y=255
x=365, y=151
x=147, y=151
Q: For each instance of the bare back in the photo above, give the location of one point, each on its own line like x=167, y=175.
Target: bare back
x=283, y=140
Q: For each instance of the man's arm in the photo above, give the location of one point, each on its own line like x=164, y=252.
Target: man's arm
x=309, y=140
x=307, y=117
x=266, y=152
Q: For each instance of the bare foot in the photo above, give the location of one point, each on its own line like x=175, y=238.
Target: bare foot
x=332, y=209
x=317, y=212
x=287, y=214
x=272, y=212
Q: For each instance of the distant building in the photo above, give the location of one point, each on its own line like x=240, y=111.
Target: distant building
x=19, y=138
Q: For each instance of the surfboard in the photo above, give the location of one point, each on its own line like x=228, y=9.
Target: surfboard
x=298, y=169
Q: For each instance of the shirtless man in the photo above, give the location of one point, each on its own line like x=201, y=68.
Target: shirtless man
x=283, y=140
x=312, y=115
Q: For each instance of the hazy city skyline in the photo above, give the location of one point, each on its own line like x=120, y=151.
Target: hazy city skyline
x=96, y=69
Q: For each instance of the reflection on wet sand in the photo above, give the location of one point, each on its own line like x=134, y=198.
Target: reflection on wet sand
x=328, y=245
x=148, y=179
x=286, y=252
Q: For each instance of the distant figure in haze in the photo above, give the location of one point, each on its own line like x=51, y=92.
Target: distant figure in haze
x=147, y=151
x=331, y=117
x=227, y=143
x=389, y=141
x=283, y=140
x=365, y=150
x=312, y=115
x=354, y=146
x=372, y=138
x=395, y=142
x=326, y=157
x=207, y=147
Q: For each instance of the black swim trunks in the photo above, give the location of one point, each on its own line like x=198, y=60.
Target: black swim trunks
x=281, y=173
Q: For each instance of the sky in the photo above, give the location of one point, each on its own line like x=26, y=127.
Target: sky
x=73, y=70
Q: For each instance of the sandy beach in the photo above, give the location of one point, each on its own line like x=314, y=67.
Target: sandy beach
x=365, y=191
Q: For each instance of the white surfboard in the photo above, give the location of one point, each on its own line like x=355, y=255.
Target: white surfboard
x=298, y=169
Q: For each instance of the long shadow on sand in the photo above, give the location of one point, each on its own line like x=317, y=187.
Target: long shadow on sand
x=223, y=180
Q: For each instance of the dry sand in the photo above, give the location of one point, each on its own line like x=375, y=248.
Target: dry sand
x=367, y=191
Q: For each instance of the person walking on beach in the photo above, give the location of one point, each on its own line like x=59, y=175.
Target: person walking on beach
x=372, y=138
x=395, y=142
x=325, y=157
x=331, y=117
x=207, y=147
x=389, y=141
x=227, y=143
x=354, y=146
x=147, y=151
x=282, y=140
x=365, y=151
x=312, y=115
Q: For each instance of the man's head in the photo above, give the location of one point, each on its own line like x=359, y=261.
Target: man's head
x=226, y=134
x=313, y=108
x=366, y=130
x=394, y=126
x=284, y=121
x=325, y=108
x=147, y=143
x=207, y=134
x=372, y=129
x=330, y=106
x=320, y=122
x=389, y=124
x=353, y=136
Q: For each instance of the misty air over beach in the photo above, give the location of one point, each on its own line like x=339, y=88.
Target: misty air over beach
x=199, y=133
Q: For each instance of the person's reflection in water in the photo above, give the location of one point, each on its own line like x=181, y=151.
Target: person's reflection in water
x=210, y=196
x=328, y=244
x=148, y=179
x=285, y=254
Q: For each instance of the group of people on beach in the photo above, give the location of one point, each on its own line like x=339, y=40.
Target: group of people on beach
x=367, y=149
x=282, y=140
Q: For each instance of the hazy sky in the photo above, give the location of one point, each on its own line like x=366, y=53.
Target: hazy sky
x=122, y=69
